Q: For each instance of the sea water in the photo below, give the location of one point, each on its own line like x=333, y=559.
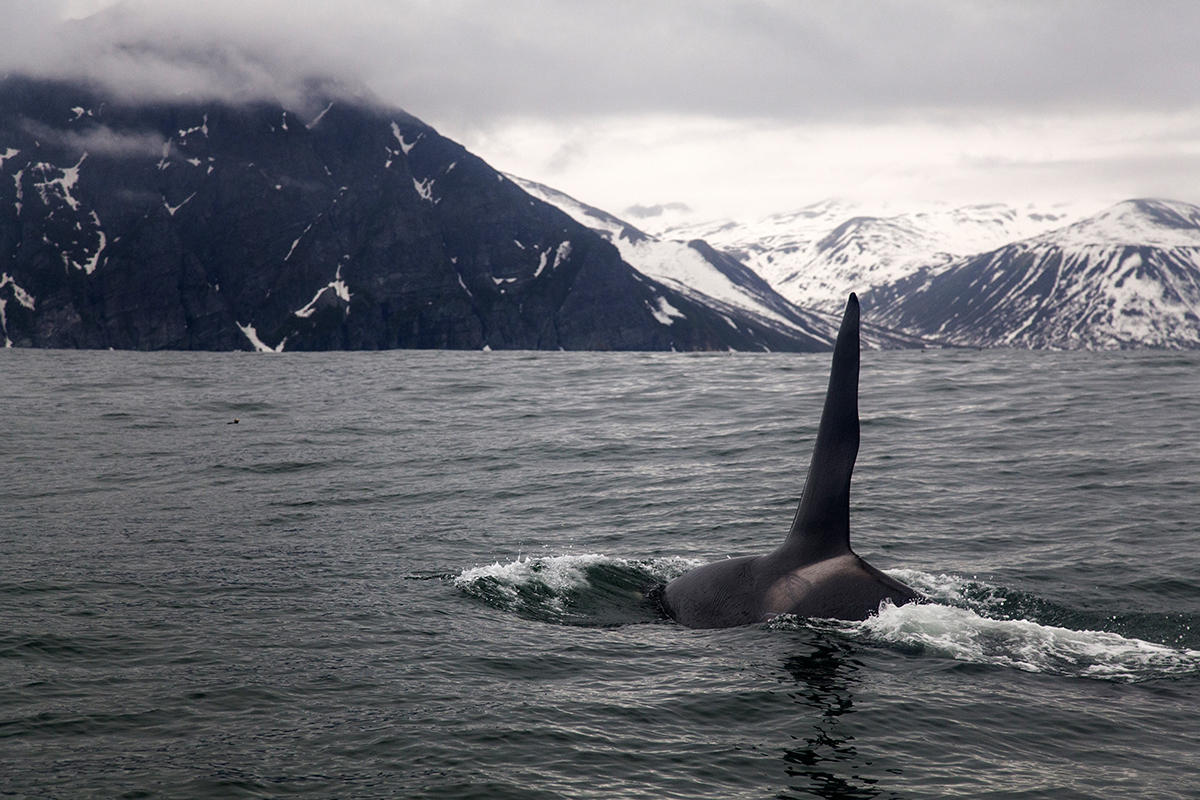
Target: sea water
x=421, y=575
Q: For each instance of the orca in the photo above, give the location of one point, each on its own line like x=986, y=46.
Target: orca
x=814, y=573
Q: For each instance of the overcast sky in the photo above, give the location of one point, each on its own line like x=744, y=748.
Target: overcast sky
x=734, y=107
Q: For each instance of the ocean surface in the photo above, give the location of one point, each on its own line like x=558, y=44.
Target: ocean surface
x=420, y=575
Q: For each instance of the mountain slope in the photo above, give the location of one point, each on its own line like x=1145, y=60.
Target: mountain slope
x=814, y=256
x=208, y=226
x=712, y=278
x=1127, y=277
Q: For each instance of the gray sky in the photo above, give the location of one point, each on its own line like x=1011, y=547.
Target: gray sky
x=740, y=107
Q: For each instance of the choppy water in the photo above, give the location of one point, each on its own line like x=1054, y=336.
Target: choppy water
x=418, y=575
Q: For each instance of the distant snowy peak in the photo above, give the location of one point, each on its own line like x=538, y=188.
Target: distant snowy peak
x=1126, y=277
x=716, y=279
x=991, y=275
x=966, y=229
x=816, y=255
x=1149, y=223
x=779, y=232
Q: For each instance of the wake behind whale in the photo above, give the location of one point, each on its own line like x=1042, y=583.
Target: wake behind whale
x=814, y=573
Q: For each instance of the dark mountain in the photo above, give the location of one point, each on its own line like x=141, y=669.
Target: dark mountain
x=1127, y=277
x=209, y=226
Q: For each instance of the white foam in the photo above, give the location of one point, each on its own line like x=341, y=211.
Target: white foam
x=563, y=573
x=963, y=635
x=948, y=589
x=933, y=629
x=944, y=628
x=558, y=573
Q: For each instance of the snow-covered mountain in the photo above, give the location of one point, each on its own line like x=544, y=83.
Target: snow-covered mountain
x=1126, y=277
x=200, y=225
x=815, y=255
x=995, y=275
x=713, y=278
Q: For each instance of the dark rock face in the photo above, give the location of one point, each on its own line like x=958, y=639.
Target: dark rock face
x=206, y=226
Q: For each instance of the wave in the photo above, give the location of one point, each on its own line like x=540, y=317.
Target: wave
x=964, y=620
x=591, y=590
x=937, y=630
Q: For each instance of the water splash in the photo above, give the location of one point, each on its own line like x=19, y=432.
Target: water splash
x=954, y=590
x=590, y=589
x=971, y=621
x=962, y=634
x=965, y=620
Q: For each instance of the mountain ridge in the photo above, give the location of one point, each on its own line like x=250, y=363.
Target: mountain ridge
x=815, y=255
x=1118, y=277
x=205, y=225
x=713, y=277
x=1126, y=277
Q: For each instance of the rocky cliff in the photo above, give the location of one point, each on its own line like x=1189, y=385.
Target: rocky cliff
x=210, y=226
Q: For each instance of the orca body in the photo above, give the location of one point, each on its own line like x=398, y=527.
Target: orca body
x=814, y=573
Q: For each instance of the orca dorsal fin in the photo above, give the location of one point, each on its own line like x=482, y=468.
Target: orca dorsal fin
x=821, y=528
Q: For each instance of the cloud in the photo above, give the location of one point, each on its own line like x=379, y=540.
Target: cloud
x=721, y=103
x=746, y=168
x=168, y=49
x=639, y=211
x=482, y=59
x=100, y=140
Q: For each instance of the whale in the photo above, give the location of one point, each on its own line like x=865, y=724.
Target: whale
x=814, y=573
